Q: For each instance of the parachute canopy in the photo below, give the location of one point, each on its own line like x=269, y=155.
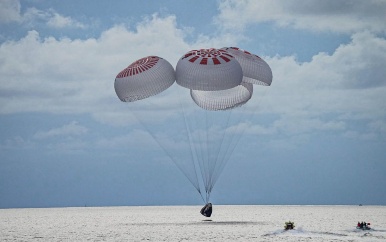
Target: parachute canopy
x=224, y=99
x=255, y=69
x=208, y=70
x=144, y=78
x=214, y=78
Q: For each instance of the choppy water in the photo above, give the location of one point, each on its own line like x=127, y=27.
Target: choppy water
x=185, y=223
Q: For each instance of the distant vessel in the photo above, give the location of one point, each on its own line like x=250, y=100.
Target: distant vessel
x=363, y=226
x=289, y=225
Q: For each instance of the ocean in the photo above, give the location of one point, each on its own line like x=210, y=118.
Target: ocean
x=185, y=223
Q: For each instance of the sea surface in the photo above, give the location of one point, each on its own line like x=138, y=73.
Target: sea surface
x=185, y=223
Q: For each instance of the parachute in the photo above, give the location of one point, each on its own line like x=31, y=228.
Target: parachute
x=208, y=70
x=196, y=113
x=255, y=69
x=144, y=78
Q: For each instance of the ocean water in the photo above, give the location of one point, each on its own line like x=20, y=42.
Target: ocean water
x=185, y=223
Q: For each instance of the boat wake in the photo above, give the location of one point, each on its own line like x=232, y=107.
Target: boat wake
x=301, y=232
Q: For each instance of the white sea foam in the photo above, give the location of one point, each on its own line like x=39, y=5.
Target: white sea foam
x=185, y=223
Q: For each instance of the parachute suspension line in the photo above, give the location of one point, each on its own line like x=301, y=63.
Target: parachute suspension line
x=217, y=139
x=202, y=138
x=201, y=143
x=227, y=158
x=202, y=197
x=197, y=142
x=217, y=159
x=206, y=154
x=191, y=146
x=195, y=184
x=203, y=162
x=241, y=130
x=235, y=137
x=210, y=132
x=198, y=137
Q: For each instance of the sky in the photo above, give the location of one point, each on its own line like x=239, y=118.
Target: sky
x=317, y=135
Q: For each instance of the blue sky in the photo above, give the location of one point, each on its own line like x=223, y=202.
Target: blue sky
x=318, y=135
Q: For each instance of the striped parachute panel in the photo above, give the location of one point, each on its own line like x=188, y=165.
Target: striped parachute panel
x=255, y=69
x=208, y=70
x=144, y=78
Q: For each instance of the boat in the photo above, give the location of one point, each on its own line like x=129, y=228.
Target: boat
x=289, y=225
x=363, y=226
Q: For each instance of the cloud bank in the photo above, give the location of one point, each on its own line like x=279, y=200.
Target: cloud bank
x=10, y=12
x=337, y=16
x=72, y=76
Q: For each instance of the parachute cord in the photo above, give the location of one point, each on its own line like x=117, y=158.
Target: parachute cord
x=168, y=154
x=242, y=130
x=233, y=149
x=212, y=172
x=202, y=197
x=207, y=171
x=191, y=145
x=199, y=149
x=207, y=196
x=203, y=161
x=229, y=144
x=230, y=147
x=226, y=159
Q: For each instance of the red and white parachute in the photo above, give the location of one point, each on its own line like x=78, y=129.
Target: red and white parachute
x=220, y=82
x=144, y=78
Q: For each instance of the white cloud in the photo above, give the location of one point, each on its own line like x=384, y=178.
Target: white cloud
x=378, y=126
x=10, y=11
x=349, y=80
x=261, y=130
x=68, y=130
x=355, y=135
x=51, y=18
x=339, y=16
x=68, y=146
x=31, y=15
x=76, y=76
x=58, y=21
x=300, y=125
x=329, y=91
x=73, y=76
x=16, y=142
x=136, y=138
